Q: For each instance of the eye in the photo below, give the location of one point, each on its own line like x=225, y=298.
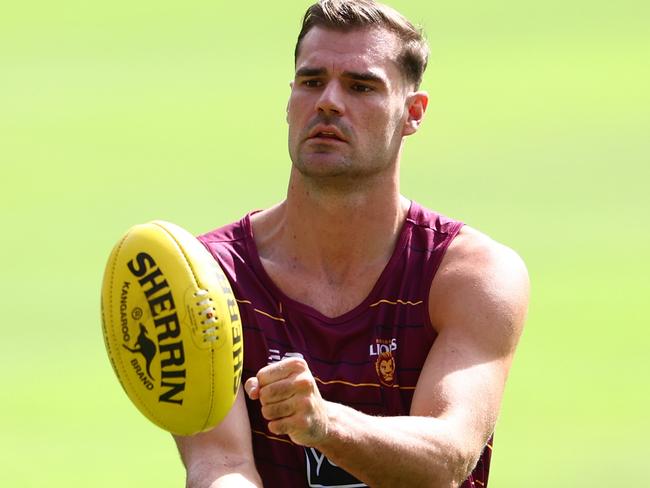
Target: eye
x=312, y=83
x=361, y=88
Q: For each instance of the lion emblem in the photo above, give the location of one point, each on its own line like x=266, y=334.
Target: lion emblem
x=385, y=366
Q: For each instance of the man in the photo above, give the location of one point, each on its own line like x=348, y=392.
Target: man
x=378, y=334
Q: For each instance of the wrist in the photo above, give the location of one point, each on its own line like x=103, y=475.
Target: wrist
x=335, y=431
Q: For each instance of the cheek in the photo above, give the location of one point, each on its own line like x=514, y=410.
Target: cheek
x=387, y=118
x=298, y=102
x=296, y=113
x=382, y=126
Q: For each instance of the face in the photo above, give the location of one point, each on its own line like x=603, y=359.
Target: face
x=350, y=106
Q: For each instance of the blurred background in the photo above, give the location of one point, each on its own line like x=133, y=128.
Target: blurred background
x=115, y=113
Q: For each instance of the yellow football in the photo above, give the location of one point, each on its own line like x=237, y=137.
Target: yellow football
x=172, y=328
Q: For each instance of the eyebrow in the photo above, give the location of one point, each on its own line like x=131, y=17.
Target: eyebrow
x=367, y=76
x=307, y=72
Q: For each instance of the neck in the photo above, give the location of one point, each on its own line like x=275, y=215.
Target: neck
x=332, y=232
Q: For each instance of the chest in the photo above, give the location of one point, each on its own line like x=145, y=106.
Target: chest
x=370, y=358
x=330, y=296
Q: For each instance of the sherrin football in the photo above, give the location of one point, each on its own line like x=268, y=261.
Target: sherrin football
x=172, y=328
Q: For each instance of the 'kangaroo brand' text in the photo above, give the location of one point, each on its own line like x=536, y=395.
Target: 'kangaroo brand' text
x=163, y=310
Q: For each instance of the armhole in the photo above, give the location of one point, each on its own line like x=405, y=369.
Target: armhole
x=432, y=267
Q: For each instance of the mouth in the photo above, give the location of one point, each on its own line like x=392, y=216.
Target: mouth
x=326, y=133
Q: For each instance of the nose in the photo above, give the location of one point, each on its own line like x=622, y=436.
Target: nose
x=330, y=101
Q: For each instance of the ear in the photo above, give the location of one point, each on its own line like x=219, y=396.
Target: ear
x=416, y=104
x=287, y=109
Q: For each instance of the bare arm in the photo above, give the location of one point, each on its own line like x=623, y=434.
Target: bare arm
x=478, y=304
x=223, y=456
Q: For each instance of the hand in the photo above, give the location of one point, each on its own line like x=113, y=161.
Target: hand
x=290, y=401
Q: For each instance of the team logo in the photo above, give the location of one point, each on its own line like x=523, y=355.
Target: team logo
x=385, y=367
x=385, y=362
x=383, y=345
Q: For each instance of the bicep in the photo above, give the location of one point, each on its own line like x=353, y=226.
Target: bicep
x=227, y=448
x=478, y=305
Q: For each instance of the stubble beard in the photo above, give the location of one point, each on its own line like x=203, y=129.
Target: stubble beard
x=338, y=173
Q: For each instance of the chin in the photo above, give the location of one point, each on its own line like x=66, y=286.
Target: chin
x=322, y=165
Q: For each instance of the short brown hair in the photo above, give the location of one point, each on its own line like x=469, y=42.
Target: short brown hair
x=346, y=15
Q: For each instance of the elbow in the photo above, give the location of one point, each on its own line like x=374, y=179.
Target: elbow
x=228, y=472
x=453, y=468
x=462, y=466
x=201, y=475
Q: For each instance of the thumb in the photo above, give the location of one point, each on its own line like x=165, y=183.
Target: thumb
x=252, y=388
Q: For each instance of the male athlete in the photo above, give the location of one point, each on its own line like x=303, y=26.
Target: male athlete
x=378, y=334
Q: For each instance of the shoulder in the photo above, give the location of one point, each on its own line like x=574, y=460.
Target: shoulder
x=234, y=231
x=481, y=288
x=429, y=219
x=229, y=244
x=473, y=255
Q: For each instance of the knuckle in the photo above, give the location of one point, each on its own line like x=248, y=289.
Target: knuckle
x=274, y=392
x=306, y=404
x=263, y=378
x=267, y=412
x=266, y=394
x=297, y=364
x=264, y=372
x=277, y=410
x=304, y=383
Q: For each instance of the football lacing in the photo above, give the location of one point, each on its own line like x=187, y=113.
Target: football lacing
x=209, y=324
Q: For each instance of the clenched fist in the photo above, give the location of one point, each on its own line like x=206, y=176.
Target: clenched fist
x=291, y=401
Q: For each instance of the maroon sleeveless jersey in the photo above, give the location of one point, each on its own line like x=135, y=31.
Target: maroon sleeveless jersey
x=368, y=358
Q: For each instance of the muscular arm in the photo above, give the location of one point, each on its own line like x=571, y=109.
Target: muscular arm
x=478, y=304
x=223, y=456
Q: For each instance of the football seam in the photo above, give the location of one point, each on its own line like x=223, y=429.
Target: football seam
x=196, y=281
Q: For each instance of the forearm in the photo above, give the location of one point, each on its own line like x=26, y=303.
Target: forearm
x=223, y=456
x=395, y=451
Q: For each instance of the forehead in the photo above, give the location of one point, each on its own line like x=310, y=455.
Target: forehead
x=367, y=49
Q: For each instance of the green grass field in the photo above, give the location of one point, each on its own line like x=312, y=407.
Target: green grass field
x=537, y=133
